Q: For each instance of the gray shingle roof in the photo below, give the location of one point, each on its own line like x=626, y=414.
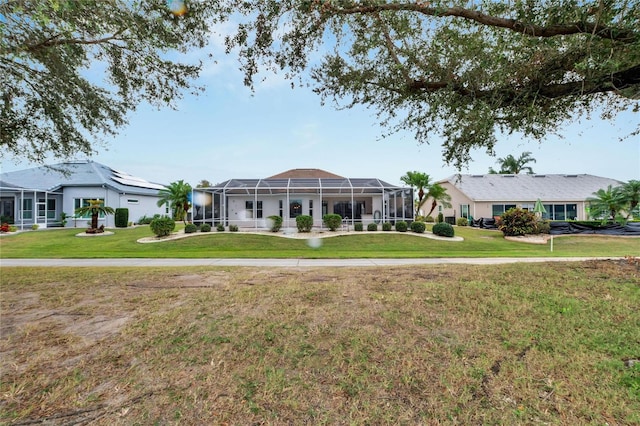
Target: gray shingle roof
x=79, y=173
x=497, y=187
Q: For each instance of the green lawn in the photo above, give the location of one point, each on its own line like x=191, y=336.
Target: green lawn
x=63, y=243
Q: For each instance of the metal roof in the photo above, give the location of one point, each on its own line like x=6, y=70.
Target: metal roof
x=521, y=187
x=83, y=173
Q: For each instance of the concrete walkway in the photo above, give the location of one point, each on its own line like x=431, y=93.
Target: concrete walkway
x=302, y=263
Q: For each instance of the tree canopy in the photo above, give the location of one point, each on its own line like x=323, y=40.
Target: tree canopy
x=464, y=71
x=71, y=70
x=421, y=182
x=513, y=165
x=460, y=70
x=177, y=196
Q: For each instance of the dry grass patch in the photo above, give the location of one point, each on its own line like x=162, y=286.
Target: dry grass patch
x=521, y=343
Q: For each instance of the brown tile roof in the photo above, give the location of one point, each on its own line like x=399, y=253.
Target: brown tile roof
x=305, y=174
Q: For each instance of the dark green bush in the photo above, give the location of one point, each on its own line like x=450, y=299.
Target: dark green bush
x=205, y=227
x=516, y=222
x=162, y=226
x=462, y=221
x=357, y=226
x=372, y=227
x=121, y=217
x=233, y=228
x=219, y=227
x=418, y=227
x=387, y=226
x=440, y=217
x=190, y=228
x=304, y=223
x=443, y=229
x=401, y=226
x=276, y=223
x=332, y=221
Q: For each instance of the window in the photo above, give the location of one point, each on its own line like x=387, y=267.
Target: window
x=295, y=208
x=527, y=207
x=132, y=201
x=311, y=208
x=83, y=202
x=498, y=209
x=248, y=206
x=259, y=209
x=560, y=211
x=27, y=208
x=50, y=208
x=280, y=207
x=464, y=210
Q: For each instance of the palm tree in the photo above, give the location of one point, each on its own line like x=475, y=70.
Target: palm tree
x=439, y=195
x=512, y=165
x=419, y=181
x=606, y=203
x=176, y=196
x=630, y=193
x=95, y=208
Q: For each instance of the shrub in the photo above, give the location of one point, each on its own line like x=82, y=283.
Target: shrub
x=6, y=219
x=332, y=221
x=440, y=217
x=386, y=226
x=443, y=229
x=304, y=223
x=429, y=219
x=233, y=228
x=205, y=227
x=276, y=223
x=35, y=226
x=145, y=220
x=121, y=217
x=418, y=227
x=401, y=226
x=13, y=228
x=190, y=228
x=462, y=221
x=543, y=227
x=4, y=227
x=372, y=227
x=220, y=227
x=357, y=226
x=162, y=226
x=515, y=222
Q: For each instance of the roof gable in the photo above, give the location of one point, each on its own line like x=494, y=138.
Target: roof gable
x=525, y=187
x=305, y=174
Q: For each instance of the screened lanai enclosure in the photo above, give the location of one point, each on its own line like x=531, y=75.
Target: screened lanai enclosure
x=248, y=203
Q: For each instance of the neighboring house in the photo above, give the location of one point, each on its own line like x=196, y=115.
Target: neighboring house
x=249, y=202
x=488, y=196
x=40, y=195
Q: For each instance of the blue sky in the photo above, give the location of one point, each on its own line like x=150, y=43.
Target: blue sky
x=229, y=132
